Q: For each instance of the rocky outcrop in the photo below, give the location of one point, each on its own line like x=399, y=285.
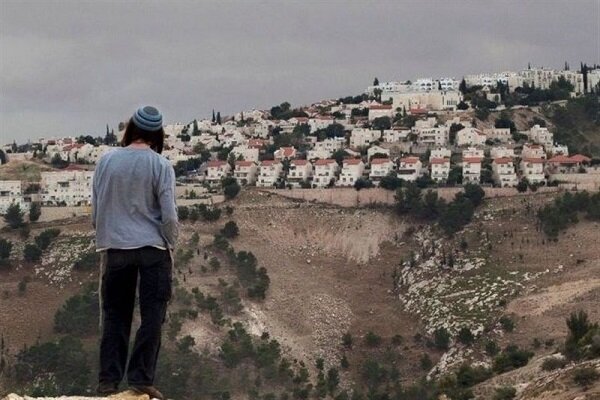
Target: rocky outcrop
x=127, y=395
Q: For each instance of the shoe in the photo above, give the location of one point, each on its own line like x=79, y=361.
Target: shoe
x=151, y=391
x=107, y=388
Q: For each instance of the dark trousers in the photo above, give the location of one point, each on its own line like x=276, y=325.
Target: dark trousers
x=119, y=282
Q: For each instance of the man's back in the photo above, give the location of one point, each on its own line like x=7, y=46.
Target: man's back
x=134, y=200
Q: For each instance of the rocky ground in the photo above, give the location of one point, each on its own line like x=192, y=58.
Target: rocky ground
x=127, y=395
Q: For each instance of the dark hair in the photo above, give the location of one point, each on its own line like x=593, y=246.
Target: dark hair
x=155, y=139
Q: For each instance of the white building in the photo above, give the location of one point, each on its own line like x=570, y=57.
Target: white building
x=326, y=171
x=541, y=135
x=440, y=152
x=409, y=168
x=470, y=137
x=245, y=172
x=284, y=153
x=533, y=169
x=533, y=151
x=472, y=152
x=70, y=186
x=502, y=152
x=11, y=193
x=503, y=172
x=300, y=171
x=377, y=150
x=361, y=137
x=245, y=152
x=440, y=169
x=380, y=167
x=316, y=154
x=352, y=170
x=559, y=149
x=498, y=134
x=395, y=135
x=320, y=122
x=216, y=170
x=471, y=169
x=438, y=100
x=270, y=173
x=432, y=136
x=380, y=110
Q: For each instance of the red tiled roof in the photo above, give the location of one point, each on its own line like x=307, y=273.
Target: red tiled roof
x=299, y=162
x=380, y=107
x=324, y=161
x=352, y=161
x=534, y=160
x=439, y=161
x=580, y=158
x=410, y=160
x=243, y=163
x=287, y=151
x=502, y=160
x=256, y=143
x=562, y=159
x=574, y=159
x=380, y=161
x=472, y=160
x=215, y=163
x=268, y=163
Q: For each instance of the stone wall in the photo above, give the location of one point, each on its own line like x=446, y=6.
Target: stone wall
x=349, y=197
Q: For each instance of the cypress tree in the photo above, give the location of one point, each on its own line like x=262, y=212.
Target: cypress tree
x=213, y=117
x=219, y=117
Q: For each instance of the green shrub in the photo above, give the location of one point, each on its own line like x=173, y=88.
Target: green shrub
x=491, y=348
x=552, y=363
x=507, y=323
x=5, y=248
x=231, y=187
x=441, y=338
x=347, y=340
x=511, y=358
x=44, y=239
x=425, y=362
x=505, y=393
x=372, y=339
x=79, y=315
x=585, y=376
x=465, y=336
x=230, y=230
x=54, y=368
x=32, y=253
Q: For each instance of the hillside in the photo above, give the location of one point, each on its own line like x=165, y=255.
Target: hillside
x=364, y=273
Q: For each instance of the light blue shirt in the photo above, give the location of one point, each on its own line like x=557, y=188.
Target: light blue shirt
x=133, y=200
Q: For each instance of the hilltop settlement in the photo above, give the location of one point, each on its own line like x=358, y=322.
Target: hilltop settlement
x=497, y=130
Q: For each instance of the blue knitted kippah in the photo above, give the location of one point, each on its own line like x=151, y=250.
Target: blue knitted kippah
x=148, y=118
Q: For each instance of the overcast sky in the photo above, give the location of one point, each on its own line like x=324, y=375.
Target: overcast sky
x=71, y=67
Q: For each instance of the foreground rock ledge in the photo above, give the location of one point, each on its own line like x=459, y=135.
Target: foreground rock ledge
x=127, y=395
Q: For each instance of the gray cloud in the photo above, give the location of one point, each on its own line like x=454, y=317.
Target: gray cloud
x=70, y=67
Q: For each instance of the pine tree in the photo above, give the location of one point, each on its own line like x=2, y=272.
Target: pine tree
x=584, y=71
x=463, y=86
x=14, y=216
x=375, y=82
